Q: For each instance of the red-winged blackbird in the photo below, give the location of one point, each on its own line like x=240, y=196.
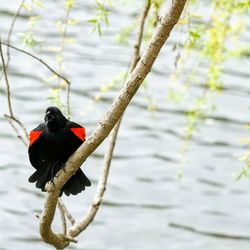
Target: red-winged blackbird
x=51, y=144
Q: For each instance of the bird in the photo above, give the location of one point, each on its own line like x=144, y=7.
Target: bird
x=50, y=145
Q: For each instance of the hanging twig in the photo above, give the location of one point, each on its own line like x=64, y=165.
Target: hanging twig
x=66, y=211
x=11, y=30
x=11, y=118
x=6, y=80
x=38, y=59
x=64, y=33
x=63, y=218
x=139, y=35
x=10, y=33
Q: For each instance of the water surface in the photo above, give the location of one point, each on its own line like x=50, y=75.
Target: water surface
x=144, y=207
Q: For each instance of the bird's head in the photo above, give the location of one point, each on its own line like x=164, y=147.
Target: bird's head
x=54, y=119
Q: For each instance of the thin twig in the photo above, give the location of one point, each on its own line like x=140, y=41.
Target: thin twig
x=67, y=213
x=6, y=80
x=61, y=63
x=37, y=215
x=38, y=59
x=20, y=124
x=71, y=239
x=11, y=30
x=11, y=118
x=139, y=35
x=68, y=100
x=63, y=218
x=19, y=136
x=10, y=33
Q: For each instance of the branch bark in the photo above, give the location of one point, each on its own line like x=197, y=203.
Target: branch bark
x=114, y=113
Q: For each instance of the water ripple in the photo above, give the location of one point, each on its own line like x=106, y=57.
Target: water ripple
x=140, y=205
x=208, y=233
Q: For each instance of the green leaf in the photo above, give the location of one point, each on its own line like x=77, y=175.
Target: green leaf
x=92, y=20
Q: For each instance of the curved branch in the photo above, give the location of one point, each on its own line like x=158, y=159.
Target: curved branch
x=114, y=113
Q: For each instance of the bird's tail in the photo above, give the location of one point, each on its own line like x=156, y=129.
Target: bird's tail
x=44, y=174
x=76, y=183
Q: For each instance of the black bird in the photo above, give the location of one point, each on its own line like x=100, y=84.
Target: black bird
x=50, y=146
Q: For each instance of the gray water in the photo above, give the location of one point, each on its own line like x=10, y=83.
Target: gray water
x=145, y=206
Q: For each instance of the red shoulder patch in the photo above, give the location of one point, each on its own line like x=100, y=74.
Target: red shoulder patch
x=79, y=132
x=34, y=135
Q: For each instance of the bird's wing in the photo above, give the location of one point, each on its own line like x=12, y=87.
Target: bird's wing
x=34, y=141
x=77, y=130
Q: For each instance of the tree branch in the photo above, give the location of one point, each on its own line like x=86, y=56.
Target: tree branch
x=116, y=110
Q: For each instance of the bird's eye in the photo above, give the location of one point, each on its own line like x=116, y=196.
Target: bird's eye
x=49, y=116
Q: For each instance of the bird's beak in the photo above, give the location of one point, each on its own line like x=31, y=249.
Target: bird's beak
x=48, y=117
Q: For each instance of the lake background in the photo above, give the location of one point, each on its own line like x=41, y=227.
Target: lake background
x=145, y=206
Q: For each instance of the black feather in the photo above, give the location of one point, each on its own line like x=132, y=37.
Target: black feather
x=58, y=138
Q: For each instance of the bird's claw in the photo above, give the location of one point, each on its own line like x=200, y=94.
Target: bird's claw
x=64, y=169
x=52, y=181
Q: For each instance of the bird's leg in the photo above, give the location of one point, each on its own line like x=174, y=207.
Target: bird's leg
x=63, y=167
x=53, y=173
